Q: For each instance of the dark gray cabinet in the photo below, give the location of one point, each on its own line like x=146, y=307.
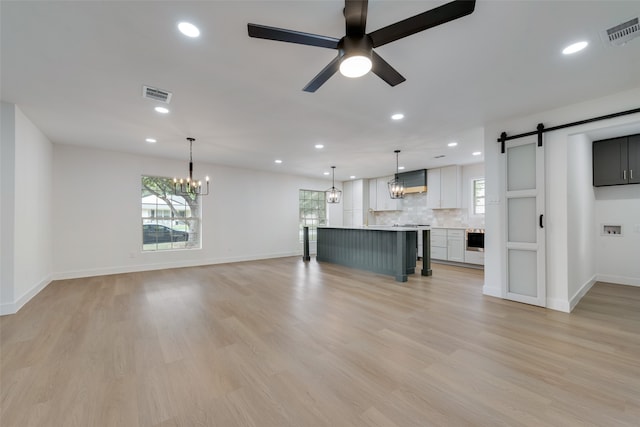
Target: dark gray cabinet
x=634, y=159
x=616, y=161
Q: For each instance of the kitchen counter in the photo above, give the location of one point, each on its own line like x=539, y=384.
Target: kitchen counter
x=384, y=250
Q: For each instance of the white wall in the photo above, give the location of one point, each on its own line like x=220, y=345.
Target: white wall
x=469, y=173
x=556, y=161
x=618, y=257
x=581, y=235
x=248, y=215
x=27, y=247
x=7, y=205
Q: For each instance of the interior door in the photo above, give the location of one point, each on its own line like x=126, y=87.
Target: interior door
x=525, y=279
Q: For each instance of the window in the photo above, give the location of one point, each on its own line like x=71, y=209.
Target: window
x=313, y=212
x=478, y=196
x=169, y=221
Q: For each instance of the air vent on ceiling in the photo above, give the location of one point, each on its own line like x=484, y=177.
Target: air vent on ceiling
x=621, y=34
x=439, y=156
x=156, y=94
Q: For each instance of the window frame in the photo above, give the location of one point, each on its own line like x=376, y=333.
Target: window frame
x=475, y=197
x=183, y=217
x=305, y=212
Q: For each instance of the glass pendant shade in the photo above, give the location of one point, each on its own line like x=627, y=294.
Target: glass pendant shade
x=396, y=186
x=333, y=194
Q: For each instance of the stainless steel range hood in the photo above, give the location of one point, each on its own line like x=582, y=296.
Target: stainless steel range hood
x=414, y=181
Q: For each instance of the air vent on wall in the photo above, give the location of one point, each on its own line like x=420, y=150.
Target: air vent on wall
x=621, y=34
x=156, y=94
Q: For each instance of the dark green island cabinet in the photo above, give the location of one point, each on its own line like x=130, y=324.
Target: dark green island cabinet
x=384, y=250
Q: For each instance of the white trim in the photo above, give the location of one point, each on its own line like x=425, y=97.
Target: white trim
x=166, y=265
x=12, y=308
x=573, y=302
x=558, y=305
x=492, y=291
x=618, y=280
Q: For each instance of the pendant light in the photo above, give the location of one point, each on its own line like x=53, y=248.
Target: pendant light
x=333, y=194
x=396, y=186
x=190, y=186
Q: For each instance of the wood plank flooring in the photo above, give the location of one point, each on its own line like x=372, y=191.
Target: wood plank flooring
x=285, y=343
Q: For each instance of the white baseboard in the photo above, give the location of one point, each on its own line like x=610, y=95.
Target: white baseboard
x=12, y=308
x=558, y=305
x=581, y=293
x=492, y=291
x=165, y=265
x=619, y=280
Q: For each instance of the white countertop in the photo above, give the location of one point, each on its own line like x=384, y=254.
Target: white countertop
x=376, y=227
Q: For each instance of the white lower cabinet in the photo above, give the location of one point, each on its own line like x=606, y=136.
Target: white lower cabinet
x=447, y=244
x=439, y=243
x=455, y=245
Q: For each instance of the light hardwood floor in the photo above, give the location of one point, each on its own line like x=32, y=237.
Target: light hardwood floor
x=286, y=343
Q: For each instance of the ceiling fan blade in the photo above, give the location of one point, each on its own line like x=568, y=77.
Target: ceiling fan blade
x=385, y=71
x=291, y=36
x=355, y=16
x=323, y=75
x=423, y=21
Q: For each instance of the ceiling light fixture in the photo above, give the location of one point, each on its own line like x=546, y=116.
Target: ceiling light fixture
x=151, y=140
x=326, y=173
x=396, y=186
x=190, y=186
x=573, y=48
x=162, y=110
x=352, y=177
x=278, y=161
x=333, y=194
x=356, y=56
x=476, y=153
x=188, y=29
x=319, y=146
x=452, y=144
x=397, y=116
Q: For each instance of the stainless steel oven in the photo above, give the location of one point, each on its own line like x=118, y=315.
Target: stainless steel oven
x=475, y=239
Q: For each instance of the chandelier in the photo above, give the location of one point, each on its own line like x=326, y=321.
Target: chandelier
x=333, y=194
x=190, y=186
x=396, y=186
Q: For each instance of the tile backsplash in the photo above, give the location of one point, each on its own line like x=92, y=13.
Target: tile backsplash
x=415, y=211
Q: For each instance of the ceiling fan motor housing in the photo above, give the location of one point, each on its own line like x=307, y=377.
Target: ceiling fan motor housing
x=351, y=46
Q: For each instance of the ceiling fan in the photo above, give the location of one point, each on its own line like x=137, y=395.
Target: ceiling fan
x=355, y=50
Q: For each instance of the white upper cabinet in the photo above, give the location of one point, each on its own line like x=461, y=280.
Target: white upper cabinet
x=347, y=195
x=382, y=200
x=355, y=202
x=444, y=188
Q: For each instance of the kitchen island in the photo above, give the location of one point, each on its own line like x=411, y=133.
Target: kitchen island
x=384, y=250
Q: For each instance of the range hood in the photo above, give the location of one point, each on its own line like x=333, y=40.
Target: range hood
x=414, y=181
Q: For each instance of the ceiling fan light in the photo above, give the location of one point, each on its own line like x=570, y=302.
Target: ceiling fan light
x=355, y=66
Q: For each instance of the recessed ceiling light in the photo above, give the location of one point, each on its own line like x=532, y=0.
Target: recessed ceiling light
x=319, y=146
x=397, y=116
x=188, y=29
x=278, y=161
x=162, y=110
x=401, y=168
x=452, y=144
x=352, y=177
x=476, y=153
x=576, y=47
x=151, y=140
x=326, y=173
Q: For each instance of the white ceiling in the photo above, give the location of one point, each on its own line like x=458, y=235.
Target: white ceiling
x=76, y=69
